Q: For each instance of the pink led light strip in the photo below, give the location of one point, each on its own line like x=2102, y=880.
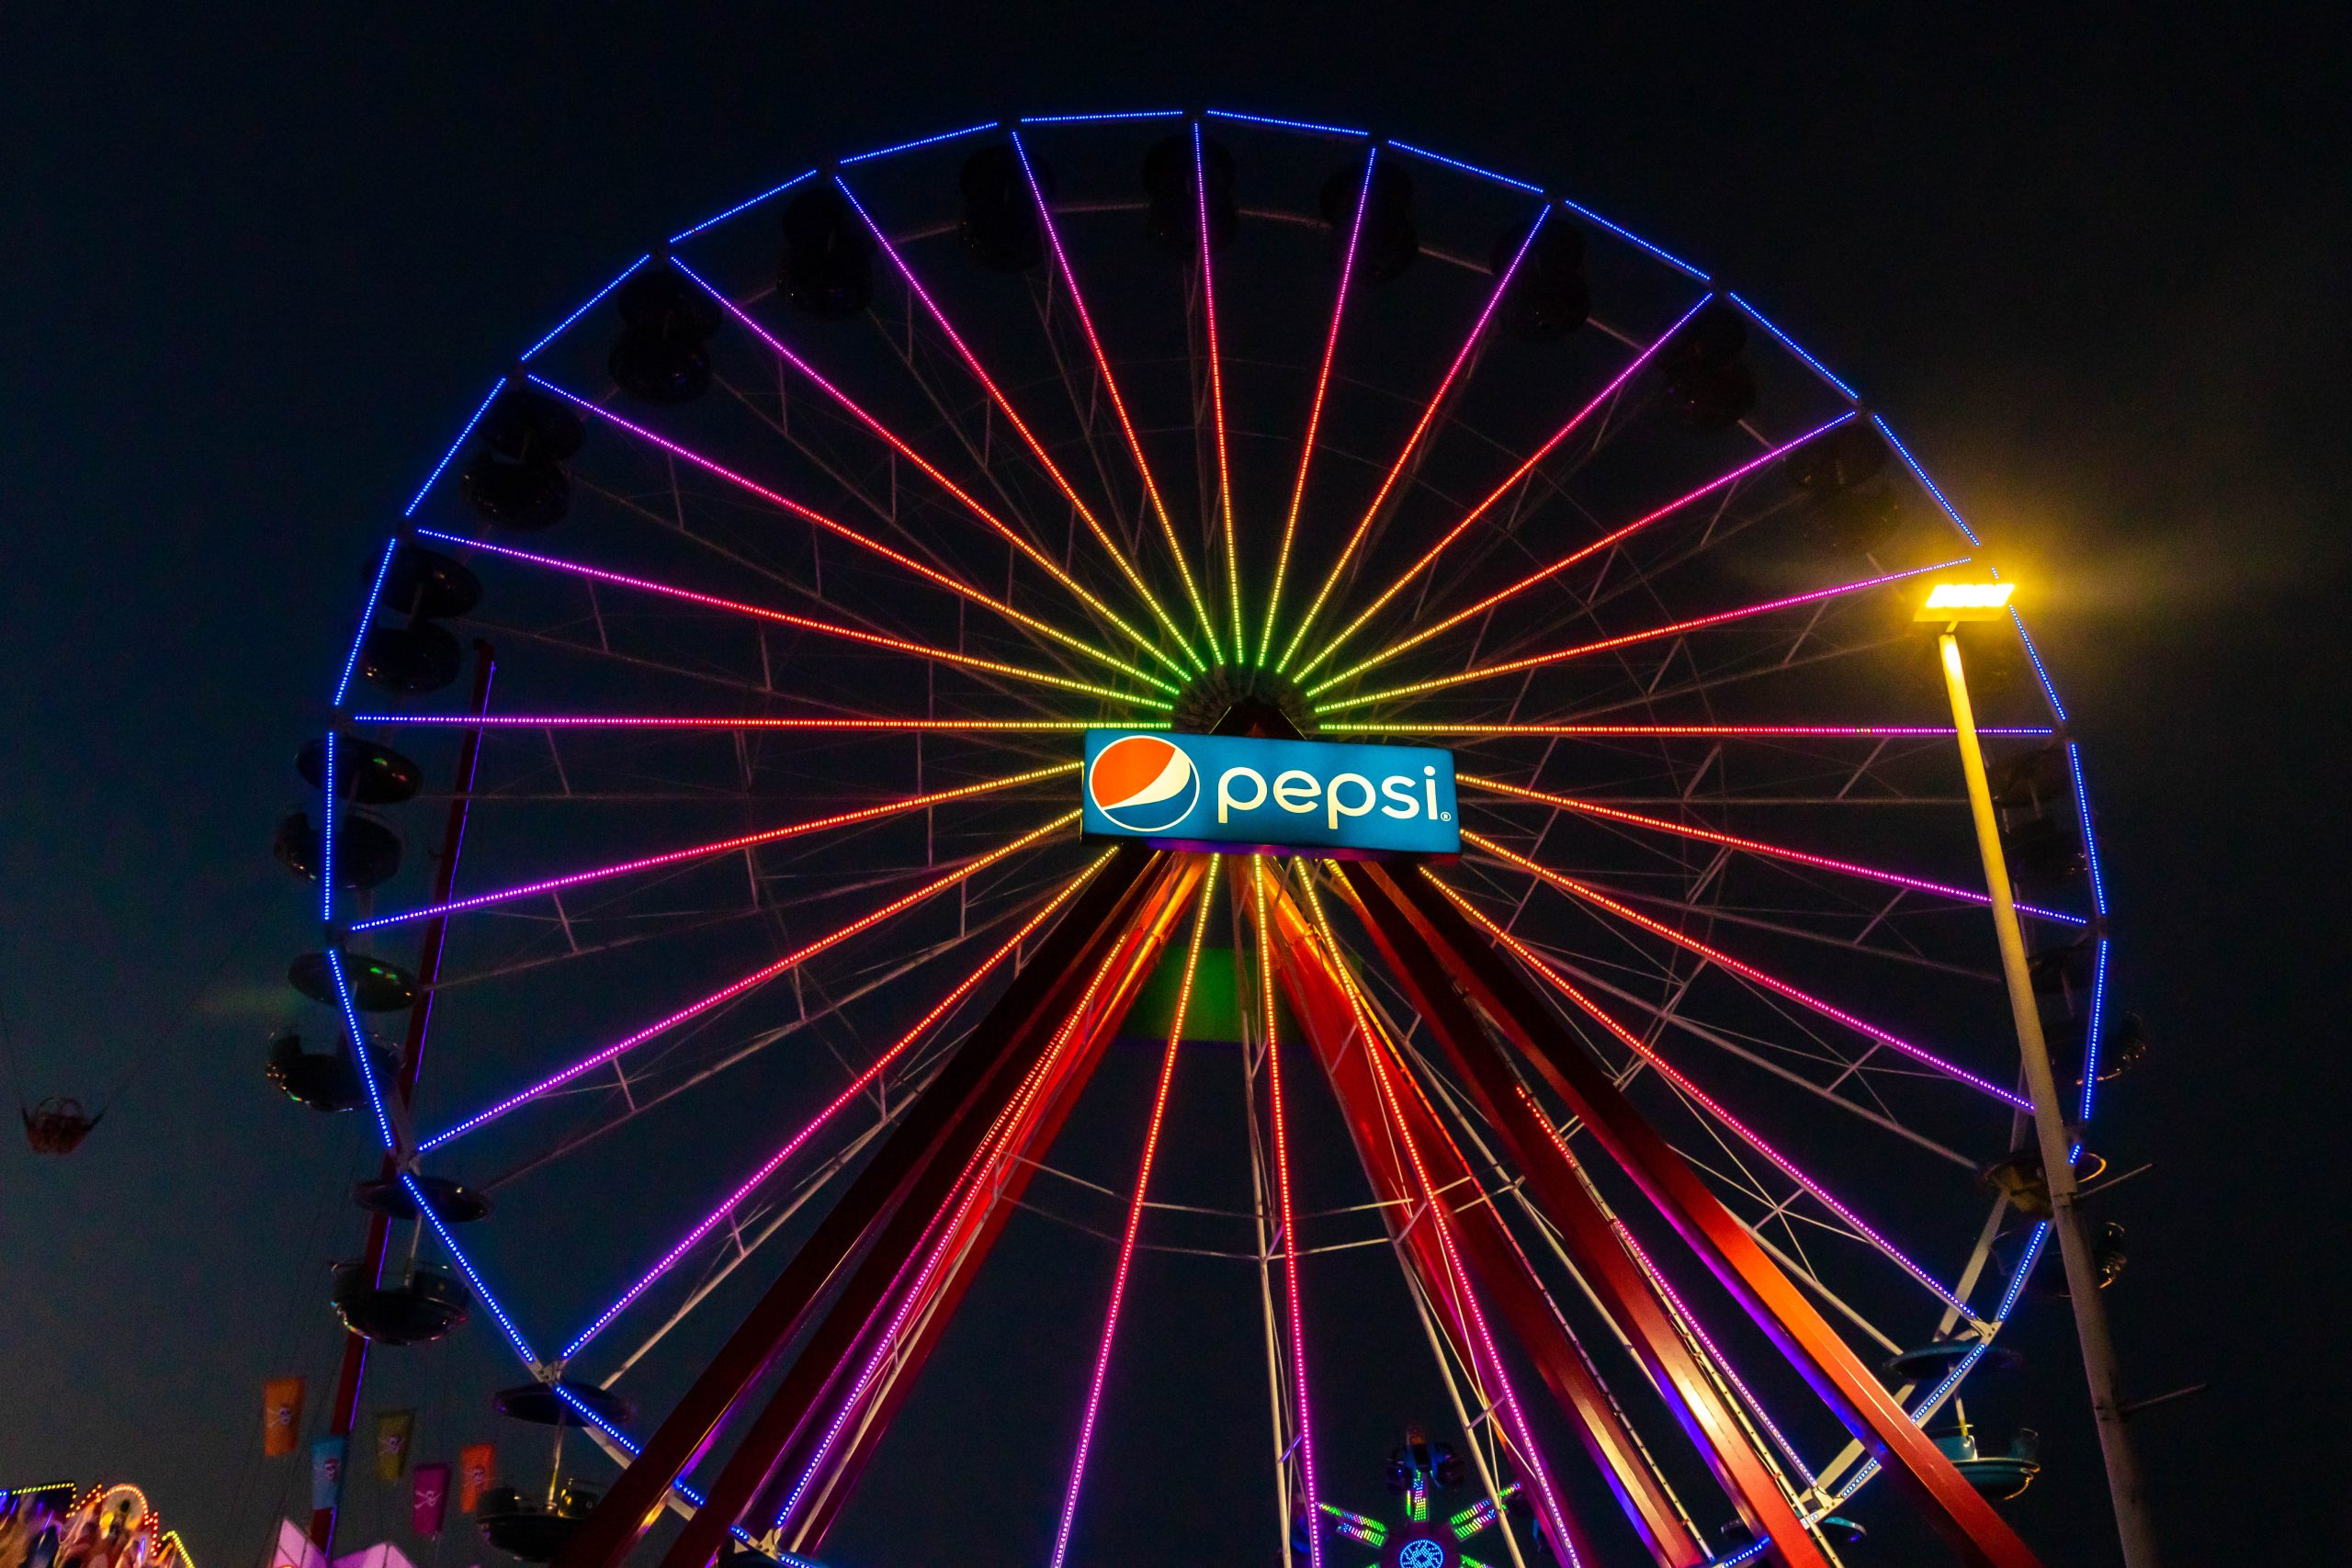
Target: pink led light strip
x=996, y=395
x=721, y=846
x=1217, y=397
x=741, y=721
x=1746, y=971
x=996, y=524
x=1666, y=1070
x=1721, y=1363
x=782, y=617
x=856, y=1087
x=1375, y=1050
x=1315, y=410
x=751, y=981
x=1585, y=552
x=1680, y=731
x=1135, y=1221
x=1430, y=555
x=1118, y=403
x=1412, y=444
x=1721, y=617
x=815, y=519
x=1290, y=1244
x=992, y=1144
x=1755, y=846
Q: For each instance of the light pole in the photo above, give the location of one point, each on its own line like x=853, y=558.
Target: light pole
x=1949, y=605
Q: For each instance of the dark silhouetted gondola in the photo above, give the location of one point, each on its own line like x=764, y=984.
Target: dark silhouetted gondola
x=827, y=266
x=427, y=1305
x=1389, y=241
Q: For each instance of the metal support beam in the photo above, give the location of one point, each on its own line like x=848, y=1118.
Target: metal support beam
x=1978, y=1535
x=927, y=1148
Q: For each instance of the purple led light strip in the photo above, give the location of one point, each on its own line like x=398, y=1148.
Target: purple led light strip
x=1283, y=1198
x=1007, y=1120
x=856, y=1087
x=1516, y=474
x=879, y=726
x=1413, y=440
x=1747, y=971
x=1135, y=1220
x=749, y=982
x=1375, y=1051
x=717, y=847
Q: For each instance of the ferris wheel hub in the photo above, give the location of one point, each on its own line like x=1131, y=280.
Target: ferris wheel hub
x=1240, y=699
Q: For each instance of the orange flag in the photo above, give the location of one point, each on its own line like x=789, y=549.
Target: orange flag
x=281, y=1415
x=476, y=1465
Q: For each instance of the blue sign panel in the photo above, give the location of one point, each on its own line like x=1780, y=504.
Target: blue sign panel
x=1277, y=796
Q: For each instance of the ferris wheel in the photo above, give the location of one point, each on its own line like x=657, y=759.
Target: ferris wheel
x=1659, y=1168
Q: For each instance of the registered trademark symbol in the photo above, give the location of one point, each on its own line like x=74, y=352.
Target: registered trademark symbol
x=1445, y=816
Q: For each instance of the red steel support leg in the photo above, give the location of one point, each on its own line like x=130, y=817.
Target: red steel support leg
x=1975, y=1533
x=1500, y=1269
x=1008, y=1178
x=935, y=1137
x=1029, y=1079
x=1585, y=1232
x=343, y=1414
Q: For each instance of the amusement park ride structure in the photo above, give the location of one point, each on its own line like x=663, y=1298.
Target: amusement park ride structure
x=1608, y=648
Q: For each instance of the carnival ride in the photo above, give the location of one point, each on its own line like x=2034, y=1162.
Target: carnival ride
x=1680, y=1124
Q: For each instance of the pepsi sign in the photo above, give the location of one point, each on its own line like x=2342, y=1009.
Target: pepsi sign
x=1208, y=791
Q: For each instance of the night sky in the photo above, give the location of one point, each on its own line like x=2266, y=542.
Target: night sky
x=261, y=259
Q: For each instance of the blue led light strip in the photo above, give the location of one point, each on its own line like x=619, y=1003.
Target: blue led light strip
x=1287, y=124
x=367, y=619
x=326, y=839
x=1074, y=119
x=1791, y=345
x=627, y=272
x=359, y=1053
x=433, y=478
x=741, y=206
x=1667, y=257
x=1921, y=475
x=921, y=141
x=514, y=1334
x=1466, y=168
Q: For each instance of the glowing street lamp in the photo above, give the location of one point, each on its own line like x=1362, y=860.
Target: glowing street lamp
x=1949, y=605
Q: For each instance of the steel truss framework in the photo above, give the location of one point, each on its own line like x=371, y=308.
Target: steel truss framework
x=800, y=682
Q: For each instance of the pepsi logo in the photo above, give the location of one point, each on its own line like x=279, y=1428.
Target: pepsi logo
x=1144, y=784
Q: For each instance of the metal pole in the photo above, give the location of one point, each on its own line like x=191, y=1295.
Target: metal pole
x=351, y=1375
x=2050, y=1132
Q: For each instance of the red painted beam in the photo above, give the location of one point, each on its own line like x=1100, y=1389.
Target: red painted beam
x=927, y=1149
x=1976, y=1534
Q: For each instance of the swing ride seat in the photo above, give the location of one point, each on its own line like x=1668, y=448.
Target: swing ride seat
x=57, y=1125
x=452, y=1204
x=539, y=1404
x=1997, y=1477
x=424, y=1309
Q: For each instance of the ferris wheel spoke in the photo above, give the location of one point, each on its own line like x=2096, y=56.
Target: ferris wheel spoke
x=1134, y=1217
x=929, y=573
x=1411, y=447
x=1016, y=538
x=1315, y=409
x=751, y=981
x=856, y=1087
x=1747, y=971
x=1607, y=645
x=1696, y=1095
x=1029, y=439
x=1493, y=1374
x=1118, y=403
x=1756, y=846
x=1671, y=731
x=785, y=618
x=1216, y=402
x=1428, y=558
x=1722, y=483
x=720, y=846
x=799, y=724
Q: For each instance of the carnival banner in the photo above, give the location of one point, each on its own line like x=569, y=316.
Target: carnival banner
x=281, y=1415
x=326, y=1471
x=476, y=1466
x=395, y=1429
x=428, y=1499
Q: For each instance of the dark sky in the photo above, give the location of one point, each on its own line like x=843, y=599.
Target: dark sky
x=260, y=259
